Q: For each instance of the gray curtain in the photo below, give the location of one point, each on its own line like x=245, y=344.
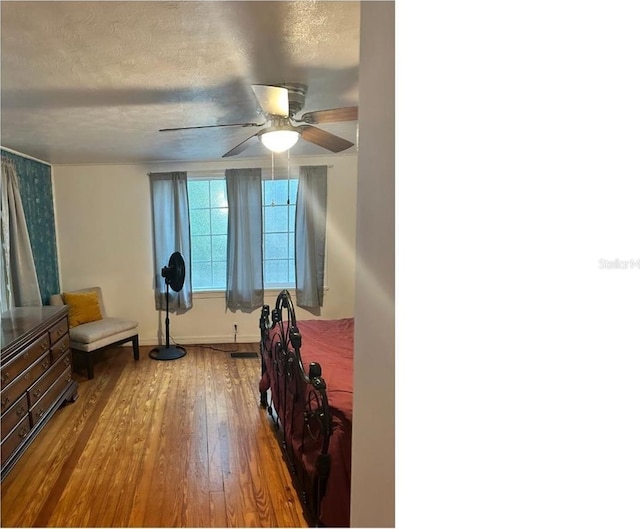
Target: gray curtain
x=171, y=233
x=19, y=279
x=245, y=283
x=311, y=227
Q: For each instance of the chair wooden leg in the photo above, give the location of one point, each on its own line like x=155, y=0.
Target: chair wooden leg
x=136, y=349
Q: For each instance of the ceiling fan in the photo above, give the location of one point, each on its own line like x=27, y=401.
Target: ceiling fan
x=279, y=106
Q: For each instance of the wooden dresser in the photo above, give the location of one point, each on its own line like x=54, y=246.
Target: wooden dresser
x=35, y=365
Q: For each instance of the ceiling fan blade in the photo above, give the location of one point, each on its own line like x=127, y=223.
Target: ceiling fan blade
x=324, y=139
x=274, y=100
x=251, y=140
x=331, y=115
x=213, y=126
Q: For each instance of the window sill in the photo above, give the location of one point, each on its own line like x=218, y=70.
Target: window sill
x=206, y=294
x=215, y=294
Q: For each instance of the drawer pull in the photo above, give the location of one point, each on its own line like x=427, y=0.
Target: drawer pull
x=37, y=392
x=67, y=360
x=23, y=433
x=43, y=346
x=59, y=332
x=5, y=400
x=40, y=413
x=69, y=377
x=5, y=376
x=21, y=411
x=46, y=363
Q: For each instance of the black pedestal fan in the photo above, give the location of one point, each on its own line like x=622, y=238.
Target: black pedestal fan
x=173, y=277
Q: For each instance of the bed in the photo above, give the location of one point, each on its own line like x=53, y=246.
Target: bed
x=307, y=389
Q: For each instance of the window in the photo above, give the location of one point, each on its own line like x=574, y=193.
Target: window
x=208, y=212
x=278, y=229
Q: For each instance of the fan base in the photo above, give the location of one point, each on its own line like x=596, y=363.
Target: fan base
x=167, y=353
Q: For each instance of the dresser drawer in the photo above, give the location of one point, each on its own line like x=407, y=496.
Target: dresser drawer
x=58, y=330
x=44, y=404
x=13, y=415
x=15, y=390
x=41, y=386
x=14, y=439
x=60, y=347
x=35, y=362
x=14, y=368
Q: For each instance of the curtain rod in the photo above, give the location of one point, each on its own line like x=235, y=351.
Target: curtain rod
x=206, y=172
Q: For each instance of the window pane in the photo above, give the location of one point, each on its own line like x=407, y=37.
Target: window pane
x=220, y=247
x=293, y=190
x=219, y=221
x=198, y=193
x=292, y=218
x=201, y=275
x=276, y=191
x=275, y=246
x=269, y=196
x=199, y=219
x=208, y=212
x=292, y=246
x=219, y=275
x=219, y=193
x=281, y=191
x=275, y=219
x=200, y=247
x=277, y=272
x=279, y=227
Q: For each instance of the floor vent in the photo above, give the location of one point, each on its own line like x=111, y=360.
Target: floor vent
x=244, y=355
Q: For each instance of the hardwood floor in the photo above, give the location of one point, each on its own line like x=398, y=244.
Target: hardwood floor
x=181, y=443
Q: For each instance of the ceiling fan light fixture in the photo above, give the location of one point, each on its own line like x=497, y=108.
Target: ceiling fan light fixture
x=279, y=140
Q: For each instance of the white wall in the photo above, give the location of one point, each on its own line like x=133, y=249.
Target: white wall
x=103, y=217
x=373, y=454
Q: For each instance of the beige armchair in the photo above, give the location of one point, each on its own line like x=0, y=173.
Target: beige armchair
x=90, y=330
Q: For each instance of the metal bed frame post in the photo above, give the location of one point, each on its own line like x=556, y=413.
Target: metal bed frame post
x=317, y=420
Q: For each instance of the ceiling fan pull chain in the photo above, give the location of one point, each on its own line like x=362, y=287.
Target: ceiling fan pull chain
x=288, y=178
x=273, y=202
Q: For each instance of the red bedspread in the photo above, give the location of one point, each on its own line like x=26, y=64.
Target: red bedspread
x=330, y=344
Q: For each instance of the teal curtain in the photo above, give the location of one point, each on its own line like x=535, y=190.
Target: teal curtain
x=36, y=191
x=19, y=279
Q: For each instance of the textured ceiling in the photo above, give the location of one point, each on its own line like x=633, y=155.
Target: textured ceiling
x=93, y=82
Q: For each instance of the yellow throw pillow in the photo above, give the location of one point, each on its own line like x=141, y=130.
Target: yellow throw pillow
x=83, y=307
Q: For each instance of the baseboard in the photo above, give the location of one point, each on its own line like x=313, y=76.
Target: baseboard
x=196, y=340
